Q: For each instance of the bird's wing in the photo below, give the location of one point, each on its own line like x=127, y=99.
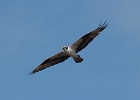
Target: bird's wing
x=58, y=58
x=86, y=39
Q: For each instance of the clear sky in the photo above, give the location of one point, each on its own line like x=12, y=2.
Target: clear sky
x=33, y=30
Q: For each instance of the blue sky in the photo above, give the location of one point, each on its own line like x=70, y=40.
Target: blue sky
x=33, y=30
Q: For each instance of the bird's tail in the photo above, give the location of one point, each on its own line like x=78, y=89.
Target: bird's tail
x=78, y=59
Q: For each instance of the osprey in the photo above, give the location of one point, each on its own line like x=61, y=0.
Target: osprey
x=71, y=51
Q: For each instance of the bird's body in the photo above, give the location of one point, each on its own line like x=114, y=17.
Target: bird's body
x=68, y=50
x=71, y=51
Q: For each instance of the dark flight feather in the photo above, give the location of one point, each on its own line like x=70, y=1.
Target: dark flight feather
x=58, y=58
x=86, y=39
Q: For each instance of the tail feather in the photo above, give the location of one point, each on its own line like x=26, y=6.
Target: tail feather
x=78, y=59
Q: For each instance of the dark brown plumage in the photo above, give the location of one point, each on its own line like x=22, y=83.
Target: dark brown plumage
x=76, y=47
x=86, y=39
x=58, y=58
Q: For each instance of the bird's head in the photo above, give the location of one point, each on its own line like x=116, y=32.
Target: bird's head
x=64, y=47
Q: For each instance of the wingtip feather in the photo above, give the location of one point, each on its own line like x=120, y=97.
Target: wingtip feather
x=104, y=25
x=32, y=72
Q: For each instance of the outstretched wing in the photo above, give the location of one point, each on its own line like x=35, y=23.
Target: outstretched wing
x=58, y=58
x=86, y=39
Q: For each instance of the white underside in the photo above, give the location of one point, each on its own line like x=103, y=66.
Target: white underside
x=71, y=52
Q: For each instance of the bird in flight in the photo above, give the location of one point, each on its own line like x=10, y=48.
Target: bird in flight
x=71, y=51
